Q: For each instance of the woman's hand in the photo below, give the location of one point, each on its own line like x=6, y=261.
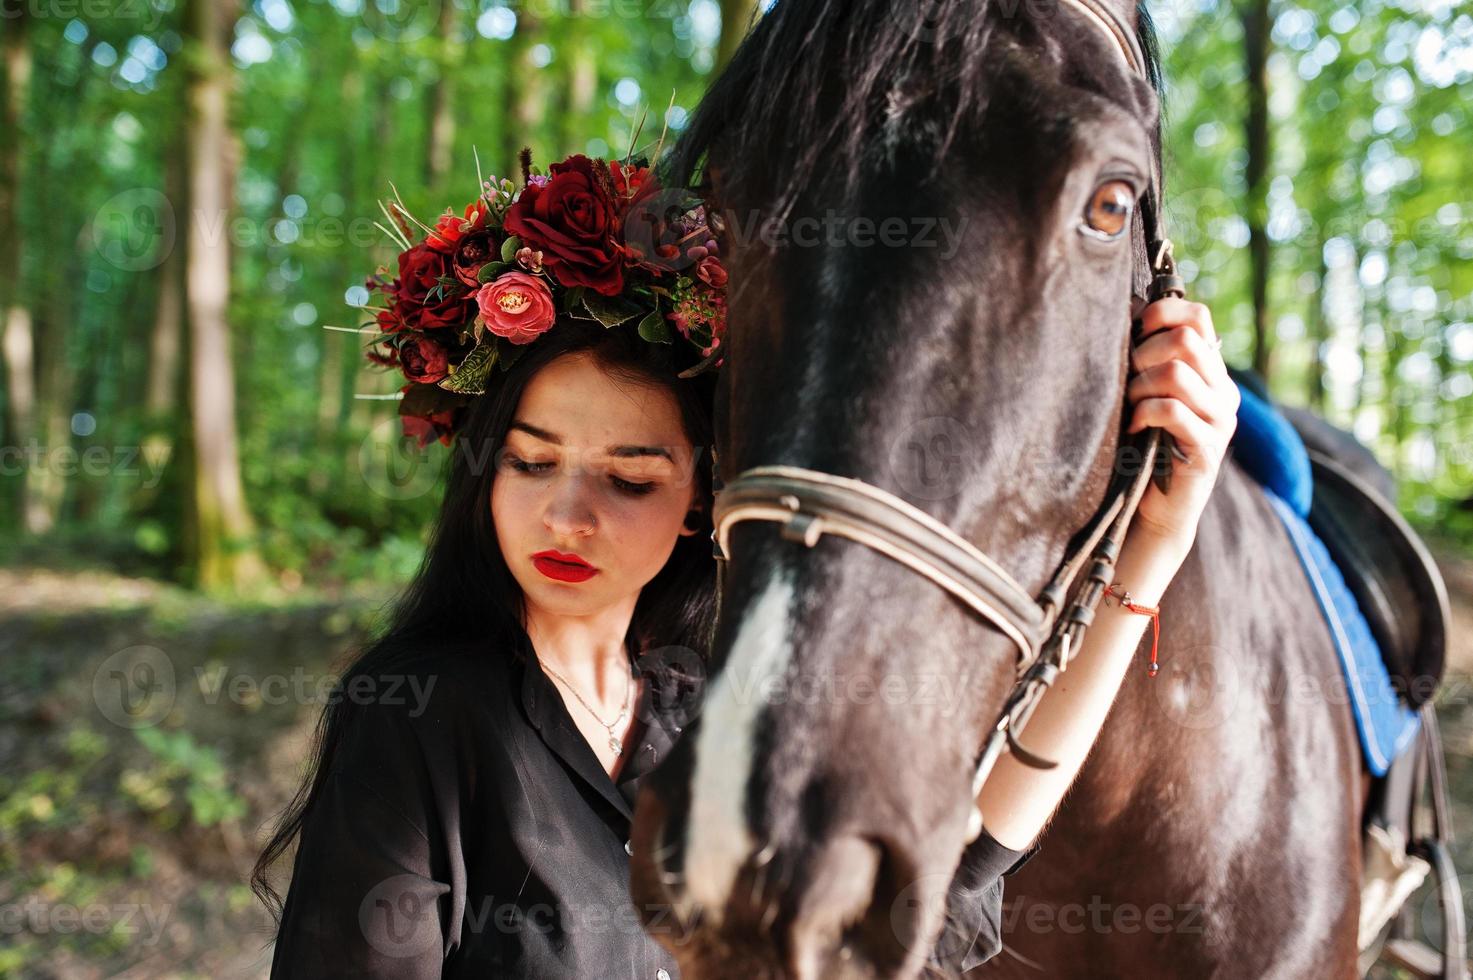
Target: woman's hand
x=1181, y=385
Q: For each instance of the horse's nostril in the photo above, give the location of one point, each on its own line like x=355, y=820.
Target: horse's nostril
x=836, y=909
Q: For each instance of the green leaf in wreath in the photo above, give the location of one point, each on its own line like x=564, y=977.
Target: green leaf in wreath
x=509, y=249
x=655, y=329
x=469, y=378
x=491, y=270
x=572, y=300
x=426, y=399
x=608, y=310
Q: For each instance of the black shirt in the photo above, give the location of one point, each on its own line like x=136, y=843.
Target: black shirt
x=467, y=829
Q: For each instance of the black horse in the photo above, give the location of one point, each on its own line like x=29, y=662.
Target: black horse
x=983, y=383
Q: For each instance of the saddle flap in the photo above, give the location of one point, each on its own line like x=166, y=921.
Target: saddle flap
x=1392, y=576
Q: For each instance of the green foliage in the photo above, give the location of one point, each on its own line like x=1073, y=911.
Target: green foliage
x=181, y=767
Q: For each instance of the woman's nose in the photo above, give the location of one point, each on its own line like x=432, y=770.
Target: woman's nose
x=570, y=511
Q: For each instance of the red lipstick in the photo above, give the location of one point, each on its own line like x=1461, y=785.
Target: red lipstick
x=563, y=568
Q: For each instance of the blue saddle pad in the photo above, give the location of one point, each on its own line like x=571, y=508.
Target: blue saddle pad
x=1270, y=450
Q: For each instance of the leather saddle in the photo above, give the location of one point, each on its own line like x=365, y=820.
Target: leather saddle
x=1393, y=577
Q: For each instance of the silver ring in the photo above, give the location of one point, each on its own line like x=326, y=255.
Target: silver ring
x=1216, y=343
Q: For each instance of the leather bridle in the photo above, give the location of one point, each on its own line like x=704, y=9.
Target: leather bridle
x=1046, y=629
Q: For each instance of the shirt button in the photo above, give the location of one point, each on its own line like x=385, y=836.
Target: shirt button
x=629, y=849
x=662, y=974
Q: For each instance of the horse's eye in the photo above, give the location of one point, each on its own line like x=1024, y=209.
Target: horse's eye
x=1109, y=210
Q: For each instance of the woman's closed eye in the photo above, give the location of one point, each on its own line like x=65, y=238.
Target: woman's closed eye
x=628, y=486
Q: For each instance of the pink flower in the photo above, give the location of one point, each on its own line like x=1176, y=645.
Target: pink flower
x=530, y=259
x=517, y=306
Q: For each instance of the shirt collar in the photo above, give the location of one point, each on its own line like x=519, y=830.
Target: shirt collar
x=655, y=733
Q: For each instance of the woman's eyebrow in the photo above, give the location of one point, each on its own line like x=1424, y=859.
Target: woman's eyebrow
x=620, y=451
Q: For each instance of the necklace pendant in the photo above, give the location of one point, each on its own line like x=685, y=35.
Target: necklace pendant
x=615, y=746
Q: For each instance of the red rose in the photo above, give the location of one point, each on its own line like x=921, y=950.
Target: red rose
x=572, y=219
x=424, y=360
x=420, y=271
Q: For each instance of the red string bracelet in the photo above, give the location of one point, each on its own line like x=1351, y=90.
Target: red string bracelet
x=1153, y=611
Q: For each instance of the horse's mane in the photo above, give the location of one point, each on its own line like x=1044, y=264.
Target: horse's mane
x=799, y=91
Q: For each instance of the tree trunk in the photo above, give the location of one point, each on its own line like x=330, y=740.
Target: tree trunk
x=1318, y=328
x=1256, y=27
x=440, y=135
x=161, y=396
x=222, y=538
x=736, y=19
x=582, y=81
x=17, y=338
x=528, y=96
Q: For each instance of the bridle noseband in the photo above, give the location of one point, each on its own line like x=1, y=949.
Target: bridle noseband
x=1046, y=628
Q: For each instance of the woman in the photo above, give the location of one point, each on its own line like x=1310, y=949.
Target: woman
x=468, y=806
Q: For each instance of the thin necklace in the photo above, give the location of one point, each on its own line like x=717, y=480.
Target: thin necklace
x=614, y=744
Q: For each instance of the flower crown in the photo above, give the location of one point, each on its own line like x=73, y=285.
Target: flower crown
x=589, y=240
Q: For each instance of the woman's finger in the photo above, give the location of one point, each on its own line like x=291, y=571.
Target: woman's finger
x=1197, y=438
x=1177, y=381
x=1181, y=344
x=1173, y=312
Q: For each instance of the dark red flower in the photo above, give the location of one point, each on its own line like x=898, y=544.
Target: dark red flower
x=425, y=429
x=473, y=251
x=627, y=180
x=424, y=360
x=711, y=272
x=572, y=220
x=420, y=272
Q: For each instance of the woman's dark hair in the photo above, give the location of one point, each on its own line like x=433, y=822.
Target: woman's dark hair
x=463, y=590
